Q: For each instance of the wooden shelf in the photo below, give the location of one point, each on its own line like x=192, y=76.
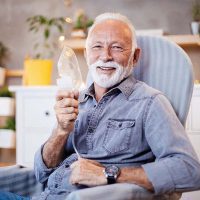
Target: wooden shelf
x=185, y=40
x=79, y=45
x=14, y=72
x=182, y=40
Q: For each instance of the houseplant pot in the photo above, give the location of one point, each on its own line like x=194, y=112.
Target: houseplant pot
x=7, y=138
x=7, y=134
x=195, y=24
x=7, y=103
x=195, y=27
x=38, y=68
x=37, y=71
x=81, y=24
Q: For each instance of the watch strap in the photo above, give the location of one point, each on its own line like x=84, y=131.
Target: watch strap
x=111, y=180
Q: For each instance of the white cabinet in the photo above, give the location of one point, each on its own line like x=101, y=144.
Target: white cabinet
x=35, y=119
x=193, y=120
x=193, y=130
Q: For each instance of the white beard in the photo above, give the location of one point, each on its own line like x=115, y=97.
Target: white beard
x=107, y=81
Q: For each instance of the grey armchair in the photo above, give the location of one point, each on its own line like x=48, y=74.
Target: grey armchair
x=164, y=66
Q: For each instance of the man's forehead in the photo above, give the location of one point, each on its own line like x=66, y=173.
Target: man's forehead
x=111, y=28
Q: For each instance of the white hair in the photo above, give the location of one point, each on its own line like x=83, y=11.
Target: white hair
x=113, y=16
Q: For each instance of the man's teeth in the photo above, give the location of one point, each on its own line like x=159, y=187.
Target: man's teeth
x=106, y=68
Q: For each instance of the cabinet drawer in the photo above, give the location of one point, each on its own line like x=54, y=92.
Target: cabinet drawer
x=39, y=112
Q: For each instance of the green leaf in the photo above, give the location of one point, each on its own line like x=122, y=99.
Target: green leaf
x=89, y=23
x=42, y=19
x=4, y=92
x=51, y=21
x=61, y=19
x=60, y=28
x=10, y=124
x=46, y=33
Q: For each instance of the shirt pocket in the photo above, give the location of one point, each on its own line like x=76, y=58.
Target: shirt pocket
x=117, y=136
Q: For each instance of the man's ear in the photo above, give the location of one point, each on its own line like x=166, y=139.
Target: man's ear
x=136, y=55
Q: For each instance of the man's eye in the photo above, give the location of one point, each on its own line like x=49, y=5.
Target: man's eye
x=117, y=48
x=96, y=47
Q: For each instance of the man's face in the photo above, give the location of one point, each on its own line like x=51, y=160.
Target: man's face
x=110, y=50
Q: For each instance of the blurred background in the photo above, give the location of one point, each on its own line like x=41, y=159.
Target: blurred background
x=172, y=17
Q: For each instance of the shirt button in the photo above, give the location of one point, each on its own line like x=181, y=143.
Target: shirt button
x=90, y=130
x=95, y=106
x=66, y=165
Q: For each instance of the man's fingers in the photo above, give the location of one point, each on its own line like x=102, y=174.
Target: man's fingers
x=68, y=110
x=68, y=117
x=67, y=102
x=61, y=94
x=64, y=94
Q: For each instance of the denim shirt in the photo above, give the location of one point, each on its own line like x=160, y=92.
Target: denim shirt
x=132, y=125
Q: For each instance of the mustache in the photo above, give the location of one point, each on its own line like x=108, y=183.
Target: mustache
x=109, y=64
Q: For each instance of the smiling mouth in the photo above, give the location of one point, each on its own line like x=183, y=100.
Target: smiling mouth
x=107, y=68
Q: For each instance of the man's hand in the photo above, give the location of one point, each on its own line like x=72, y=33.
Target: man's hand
x=66, y=109
x=87, y=172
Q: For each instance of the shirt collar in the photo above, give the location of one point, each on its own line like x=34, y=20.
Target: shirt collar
x=86, y=93
x=126, y=87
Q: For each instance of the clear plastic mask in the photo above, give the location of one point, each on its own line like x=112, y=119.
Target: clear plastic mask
x=68, y=70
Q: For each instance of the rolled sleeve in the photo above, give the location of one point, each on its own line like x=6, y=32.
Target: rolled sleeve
x=176, y=166
x=158, y=174
x=41, y=171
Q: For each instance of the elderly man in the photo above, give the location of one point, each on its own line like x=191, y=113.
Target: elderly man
x=125, y=132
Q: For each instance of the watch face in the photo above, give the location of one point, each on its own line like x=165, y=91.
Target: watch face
x=111, y=171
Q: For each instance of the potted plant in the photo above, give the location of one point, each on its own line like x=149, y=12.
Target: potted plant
x=195, y=24
x=38, y=69
x=7, y=134
x=3, y=56
x=7, y=104
x=81, y=24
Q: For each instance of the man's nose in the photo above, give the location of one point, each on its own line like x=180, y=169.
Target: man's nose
x=106, y=55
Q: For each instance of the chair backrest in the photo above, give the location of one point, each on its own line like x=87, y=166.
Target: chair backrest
x=165, y=66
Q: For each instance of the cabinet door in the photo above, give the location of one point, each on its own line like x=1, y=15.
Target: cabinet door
x=195, y=114
x=38, y=112
x=35, y=121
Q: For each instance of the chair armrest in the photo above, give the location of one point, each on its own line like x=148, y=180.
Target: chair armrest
x=119, y=191
x=19, y=180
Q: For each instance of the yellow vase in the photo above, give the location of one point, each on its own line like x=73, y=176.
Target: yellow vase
x=37, y=72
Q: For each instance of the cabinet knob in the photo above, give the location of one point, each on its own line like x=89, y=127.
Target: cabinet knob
x=47, y=113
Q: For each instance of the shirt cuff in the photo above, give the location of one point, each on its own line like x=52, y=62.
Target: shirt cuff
x=158, y=174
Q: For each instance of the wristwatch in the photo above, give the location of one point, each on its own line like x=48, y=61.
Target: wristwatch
x=111, y=173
